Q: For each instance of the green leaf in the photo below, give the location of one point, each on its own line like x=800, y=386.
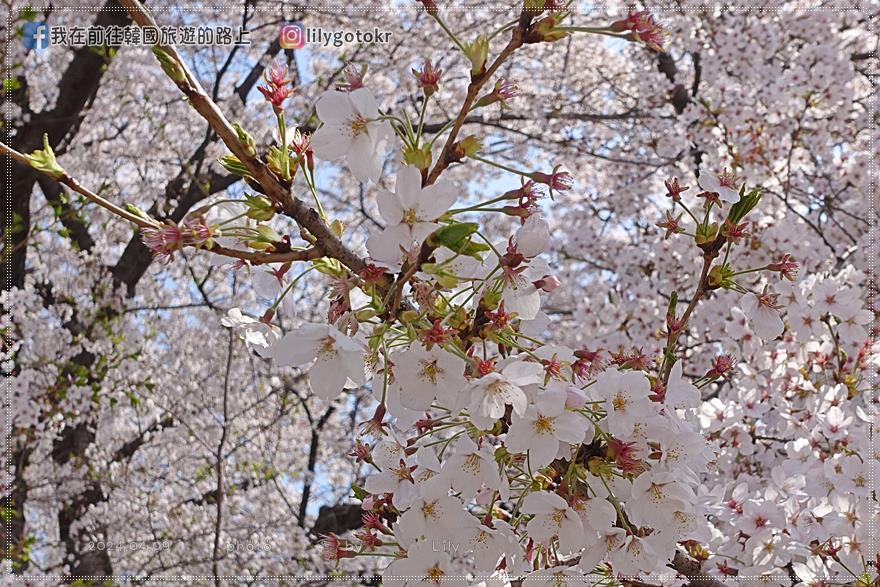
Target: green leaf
x=169, y=65
x=44, y=160
x=233, y=165
x=472, y=249
x=359, y=493
x=453, y=234
x=746, y=204
x=457, y=238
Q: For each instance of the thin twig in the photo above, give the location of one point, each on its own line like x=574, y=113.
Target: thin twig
x=77, y=187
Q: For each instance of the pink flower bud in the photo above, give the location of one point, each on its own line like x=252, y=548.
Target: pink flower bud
x=278, y=88
x=575, y=398
x=354, y=79
x=674, y=189
x=642, y=28
x=557, y=180
x=786, y=267
x=428, y=78
x=548, y=283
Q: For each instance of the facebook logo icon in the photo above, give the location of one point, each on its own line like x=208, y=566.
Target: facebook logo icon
x=35, y=35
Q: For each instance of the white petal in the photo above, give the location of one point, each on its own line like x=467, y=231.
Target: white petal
x=327, y=379
x=421, y=230
x=571, y=427
x=389, y=207
x=353, y=362
x=292, y=350
x=542, y=452
x=363, y=160
x=525, y=304
x=385, y=245
x=542, y=502
x=767, y=324
x=334, y=107
x=523, y=373
x=330, y=142
x=437, y=199
x=364, y=102
x=408, y=186
x=266, y=284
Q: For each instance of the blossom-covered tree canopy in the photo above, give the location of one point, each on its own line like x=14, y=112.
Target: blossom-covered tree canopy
x=418, y=294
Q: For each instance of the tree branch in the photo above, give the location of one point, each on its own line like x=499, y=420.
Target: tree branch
x=305, y=216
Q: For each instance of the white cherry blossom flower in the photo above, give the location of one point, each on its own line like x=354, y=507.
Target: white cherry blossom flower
x=352, y=130
x=626, y=395
x=387, y=452
x=852, y=324
x=804, y=321
x=759, y=515
x=726, y=184
x=257, y=335
x=423, y=375
x=831, y=298
x=656, y=496
x=487, y=544
x=338, y=358
x=681, y=394
x=521, y=295
x=410, y=213
x=491, y=393
x=470, y=467
x=597, y=516
x=610, y=541
x=397, y=480
x=425, y=564
x=434, y=518
x=683, y=448
x=560, y=576
x=835, y=423
x=764, y=319
x=553, y=518
x=636, y=555
x=544, y=427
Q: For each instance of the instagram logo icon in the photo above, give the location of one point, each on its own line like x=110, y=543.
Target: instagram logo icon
x=292, y=36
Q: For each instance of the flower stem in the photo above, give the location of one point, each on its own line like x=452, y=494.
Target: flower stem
x=285, y=156
x=449, y=32
x=500, y=166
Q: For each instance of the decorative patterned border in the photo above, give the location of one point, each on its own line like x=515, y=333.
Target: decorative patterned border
x=342, y=9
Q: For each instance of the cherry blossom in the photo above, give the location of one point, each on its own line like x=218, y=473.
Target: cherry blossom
x=625, y=395
x=425, y=375
x=554, y=518
x=491, y=393
x=352, y=130
x=339, y=359
x=544, y=427
x=410, y=213
x=763, y=317
x=458, y=375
